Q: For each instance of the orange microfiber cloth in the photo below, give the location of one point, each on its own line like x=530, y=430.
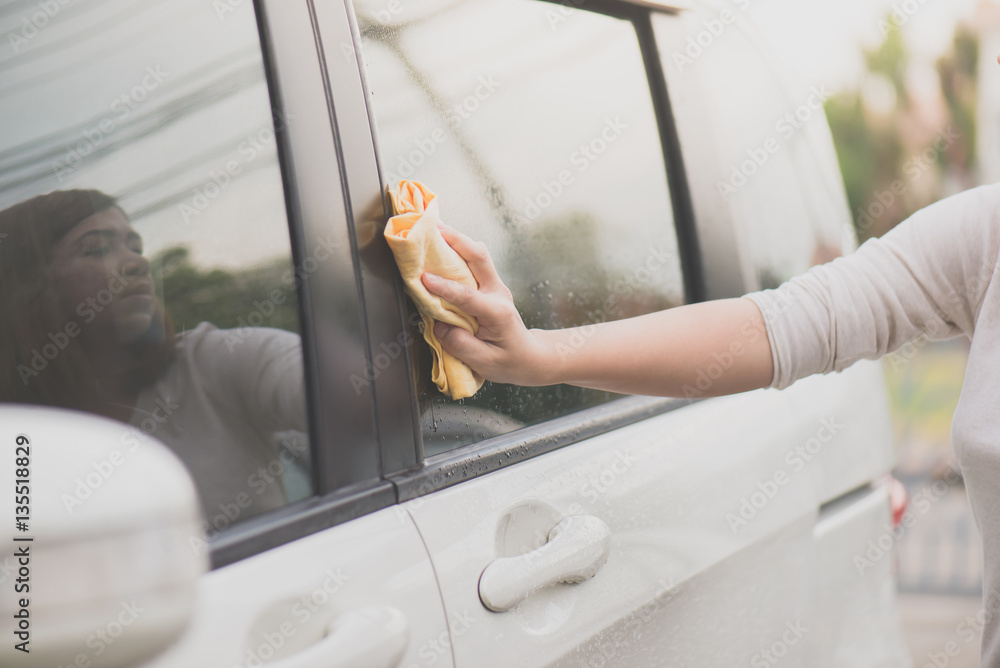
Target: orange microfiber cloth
x=418, y=247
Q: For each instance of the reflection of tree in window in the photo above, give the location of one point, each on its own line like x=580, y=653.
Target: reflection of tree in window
x=193, y=295
x=560, y=279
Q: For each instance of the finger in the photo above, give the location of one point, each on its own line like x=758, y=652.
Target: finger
x=471, y=301
x=461, y=344
x=476, y=255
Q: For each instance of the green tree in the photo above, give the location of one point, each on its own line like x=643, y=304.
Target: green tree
x=226, y=299
x=873, y=150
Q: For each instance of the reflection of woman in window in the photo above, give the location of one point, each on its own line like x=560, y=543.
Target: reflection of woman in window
x=82, y=329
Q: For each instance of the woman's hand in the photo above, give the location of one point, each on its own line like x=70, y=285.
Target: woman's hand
x=503, y=350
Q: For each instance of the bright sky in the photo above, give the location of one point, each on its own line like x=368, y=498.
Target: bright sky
x=823, y=39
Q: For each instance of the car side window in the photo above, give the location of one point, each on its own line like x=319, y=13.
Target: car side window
x=534, y=125
x=146, y=269
x=787, y=216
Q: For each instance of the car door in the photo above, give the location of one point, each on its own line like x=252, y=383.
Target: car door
x=210, y=128
x=570, y=527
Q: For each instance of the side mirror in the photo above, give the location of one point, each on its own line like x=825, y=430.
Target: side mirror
x=98, y=533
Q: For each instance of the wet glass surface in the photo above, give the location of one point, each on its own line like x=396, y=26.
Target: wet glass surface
x=534, y=125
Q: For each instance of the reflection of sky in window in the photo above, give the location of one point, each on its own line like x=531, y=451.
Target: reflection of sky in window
x=81, y=69
x=784, y=197
x=558, y=86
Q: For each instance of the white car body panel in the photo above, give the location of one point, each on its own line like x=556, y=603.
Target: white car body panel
x=280, y=602
x=678, y=576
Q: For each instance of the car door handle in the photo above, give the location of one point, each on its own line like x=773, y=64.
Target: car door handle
x=375, y=636
x=577, y=548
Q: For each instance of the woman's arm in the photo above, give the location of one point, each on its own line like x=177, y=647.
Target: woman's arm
x=927, y=277
x=708, y=349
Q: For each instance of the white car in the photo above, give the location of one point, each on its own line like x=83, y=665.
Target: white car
x=333, y=508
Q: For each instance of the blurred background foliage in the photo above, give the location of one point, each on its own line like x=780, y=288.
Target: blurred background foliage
x=906, y=136
x=887, y=131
